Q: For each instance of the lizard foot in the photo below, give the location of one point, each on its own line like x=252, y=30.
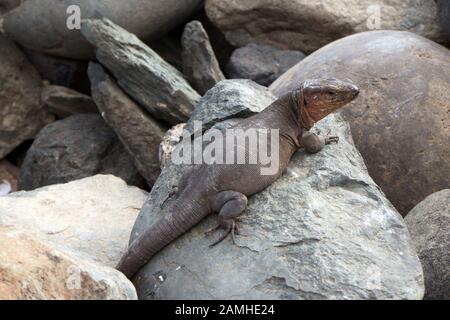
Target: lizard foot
x=231, y=226
x=331, y=139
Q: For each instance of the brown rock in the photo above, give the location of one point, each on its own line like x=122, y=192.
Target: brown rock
x=401, y=120
x=8, y=177
x=137, y=130
x=64, y=102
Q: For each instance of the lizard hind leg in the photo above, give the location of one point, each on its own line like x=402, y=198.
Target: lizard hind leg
x=229, y=204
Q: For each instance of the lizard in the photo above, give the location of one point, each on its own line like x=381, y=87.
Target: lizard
x=224, y=188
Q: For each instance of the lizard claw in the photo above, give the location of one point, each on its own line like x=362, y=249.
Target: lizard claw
x=331, y=139
x=231, y=227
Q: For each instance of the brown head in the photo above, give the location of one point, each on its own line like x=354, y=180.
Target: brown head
x=321, y=97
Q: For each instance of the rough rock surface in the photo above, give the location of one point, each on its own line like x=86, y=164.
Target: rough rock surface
x=8, y=177
x=60, y=71
x=322, y=231
x=144, y=75
x=199, y=61
x=261, y=63
x=308, y=25
x=93, y=215
x=139, y=132
x=428, y=224
x=32, y=269
x=237, y=98
x=76, y=147
x=401, y=120
x=64, y=102
x=43, y=25
x=21, y=115
x=444, y=16
x=169, y=143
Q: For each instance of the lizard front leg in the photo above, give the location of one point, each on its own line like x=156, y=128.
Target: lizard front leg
x=229, y=204
x=313, y=143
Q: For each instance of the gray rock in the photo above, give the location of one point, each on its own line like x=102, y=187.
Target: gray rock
x=237, y=98
x=199, y=61
x=42, y=25
x=64, y=102
x=322, y=231
x=428, y=224
x=443, y=8
x=261, y=63
x=77, y=147
x=144, y=75
x=139, y=132
x=307, y=25
x=60, y=71
x=401, y=119
x=21, y=114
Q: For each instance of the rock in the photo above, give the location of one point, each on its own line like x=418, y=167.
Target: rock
x=169, y=142
x=168, y=48
x=93, y=216
x=308, y=25
x=59, y=71
x=400, y=122
x=77, y=147
x=428, y=224
x=32, y=269
x=199, y=61
x=147, y=78
x=139, y=132
x=237, y=98
x=44, y=25
x=8, y=177
x=444, y=15
x=64, y=102
x=261, y=63
x=21, y=115
x=8, y=5
x=322, y=231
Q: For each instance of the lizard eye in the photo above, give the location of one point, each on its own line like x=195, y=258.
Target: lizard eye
x=331, y=93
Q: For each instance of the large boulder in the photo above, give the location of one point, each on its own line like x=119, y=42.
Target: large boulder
x=307, y=25
x=400, y=122
x=138, y=132
x=33, y=269
x=93, y=216
x=141, y=72
x=261, y=63
x=200, y=64
x=428, y=224
x=324, y=230
x=43, y=25
x=73, y=148
x=21, y=114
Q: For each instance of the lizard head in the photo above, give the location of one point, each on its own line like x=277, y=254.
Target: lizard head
x=323, y=96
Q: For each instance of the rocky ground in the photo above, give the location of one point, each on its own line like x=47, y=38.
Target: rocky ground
x=90, y=114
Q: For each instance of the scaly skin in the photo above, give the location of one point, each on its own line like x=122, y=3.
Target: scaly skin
x=224, y=188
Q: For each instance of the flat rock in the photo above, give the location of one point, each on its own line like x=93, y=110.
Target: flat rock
x=73, y=148
x=236, y=98
x=145, y=76
x=43, y=25
x=138, y=131
x=428, y=223
x=322, y=231
x=444, y=15
x=33, y=269
x=93, y=216
x=401, y=120
x=200, y=64
x=308, y=25
x=64, y=102
x=261, y=63
x=21, y=114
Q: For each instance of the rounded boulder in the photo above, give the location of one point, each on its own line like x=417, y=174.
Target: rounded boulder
x=401, y=120
x=50, y=26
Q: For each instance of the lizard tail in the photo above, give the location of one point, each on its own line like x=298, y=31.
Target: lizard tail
x=181, y=217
